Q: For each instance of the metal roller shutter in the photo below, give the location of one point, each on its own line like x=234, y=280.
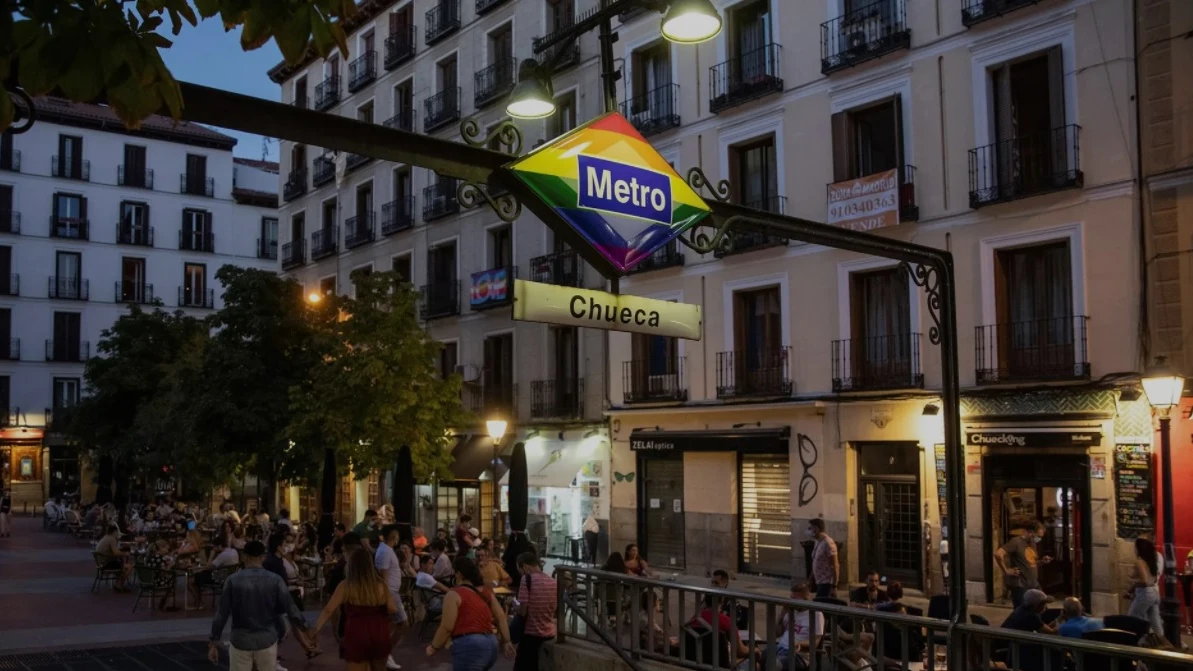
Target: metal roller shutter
x=766, y=514
x=663, y=540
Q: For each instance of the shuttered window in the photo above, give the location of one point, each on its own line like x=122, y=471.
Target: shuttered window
x=766, y=514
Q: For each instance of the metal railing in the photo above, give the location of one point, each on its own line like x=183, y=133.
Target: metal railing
x=564, y=269
x=10, y=221
x=1039, y=349
x=1025, y=166
x=196, y=185
x=442, y=20
x=754, y=373
x=72, y=288
x=491, y=398
x=293, y=254
x=359, y=230
x=439, y=199
x=483, y=6
x=752, y=74
x=977, y=11
x=667, y=256
x=196, y=297
x=141, y=236
x=142, y=178
x=397, y=215
x=267, y=249
x=494, y=81
x=362, y=71
x=68, y=170
x=878, y=362
x=70, y=228
x=11, y=161
x=399, y=47
x=327, y=93
x=133, y=292
x=324, y=171
x=441, y=109
x=13, y=353
x=865, y=33
x=440, y=299
x=403, y=120
x=296, y=184
x=325, y=242
x=196, y=241
x=646, y=380
x=557, y=399
x=10, y=285
x=61, y=351
x=654, y=111
x=354, y=161
x=908, y=209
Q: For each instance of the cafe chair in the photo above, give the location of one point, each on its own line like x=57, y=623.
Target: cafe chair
x=1135, y=625
x=1096, y=662
x=147, y=587
x=103, y=574
x=429, y=597
x=701, y=641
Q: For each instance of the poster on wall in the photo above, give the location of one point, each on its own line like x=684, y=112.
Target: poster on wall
x=1133, y=490
x=942, y=485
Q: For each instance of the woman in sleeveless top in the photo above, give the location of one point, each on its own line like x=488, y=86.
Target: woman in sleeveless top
x=470, y=613
x=367, y=606
x=1144, y=595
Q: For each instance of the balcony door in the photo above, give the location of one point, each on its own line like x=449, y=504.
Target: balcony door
x=1034, y=293
x=70, y=156
x=655, y=367
x=364, y=205
x=7, y=280
x=759, y=358
x=501, y=50
x=441, y=265
x=566, y=362
x=1029, y=122
x=70, y=213
x=68, y=274
x=132, y=280
x=298, y=157
x=329, y=219
x=298, y=228
x=67, y=336
x=501, y=248
x=66, y=392
x=880, y=322
x=499, y=375
x=134, y=223
x=750, y=30
x=269, y=237
x=196, y=174
x=194, y=284
x=755, y=171
x=134, y=165
x=196, y=229
x=652, y=75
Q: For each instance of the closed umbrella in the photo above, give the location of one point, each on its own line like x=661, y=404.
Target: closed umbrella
x=327, y=498
x=519, y=499
x=403, y=495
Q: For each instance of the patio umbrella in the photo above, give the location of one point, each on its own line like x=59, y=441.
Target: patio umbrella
x=519, y=496
x=327, y=498
x=403, y=495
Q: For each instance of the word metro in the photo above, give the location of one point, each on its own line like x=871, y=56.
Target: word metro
x=610, y=186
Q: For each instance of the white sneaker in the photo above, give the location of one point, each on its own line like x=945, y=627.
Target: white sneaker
x=391, y=664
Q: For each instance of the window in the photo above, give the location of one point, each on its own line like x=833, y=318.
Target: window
x=5, y=337
x=1029, y=121
x=445, y=73
x=298, y=227
x=368, y=43
x=67, y=345
x=7, y=221
x=880, y=347
x=69, y=272
x=358, y=274
x=4, y=399
x=567, y=353
x=560, y=14
x=404, y=101
x=501, y=247
x=364, y=203
x=365, y=112
x=332, y=66
x=501, y=45
x=134, y=223
x=70, y=157
x=499, y=373
x=298, y=157
x=70, y=216
x=403, y=188
x=564, y=118
x=868, y=140
x=269, y=237
x=300, y=92
x=400, y=21
x=7, y=281
x=194, y=285
x=327, y=286
x=66, y=392
x=132, y=280
x=652, y=71
x=755, y=171
x=134, y=166
x=6, y=152
x=329, y=216
x=441, y=263
x=401, y=268
x=196, y=231
x=758, y=330
x=195, y=180
x=447, y=359
x=658, y=355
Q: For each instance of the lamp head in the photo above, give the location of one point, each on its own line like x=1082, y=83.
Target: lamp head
x=532, y=97
x=691, y=21
x=1162, y=384
x=314, y=298
x=496, y=428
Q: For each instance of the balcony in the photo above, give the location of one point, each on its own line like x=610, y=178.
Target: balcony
x=561, y=268
x=362, y=71
x=301, y=102
x=485, y=6
x=977, y=11
x=397, y=215
x=441, y=109
x=750, y=76
x=359, y=230
x=439, y=200
x=864, y=34
x=327, y=93
x=324, y=171
x=196, y=185
x=13, y=352
x=267, y=249
x=10, y=285
x=651, y=381
x=12, y=161
x=441, y=299
x=293, y=254
x=667, y=256
x=494, y=81
x=354, y=161
x=70, y=228
x=492, y=288
x=196, y=297
x=10, y=222
x=877, y=363
x=557, y=399
x=138, y=236
x=403, y=120
x=196, y=241
x=399, y=47
x=570, y=56
x=64, y=351
x=67, y=170
x=296, y=184
x=754, y=373
x=134, y=292
x=1025, y=166
x=655, y=111
x=142, y=178
x=325, y=242
x=442, y=20
x=1032, y=351
x=69, y=288
x=492, y=398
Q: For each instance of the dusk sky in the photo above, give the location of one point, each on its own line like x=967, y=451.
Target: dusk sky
x=207, y=55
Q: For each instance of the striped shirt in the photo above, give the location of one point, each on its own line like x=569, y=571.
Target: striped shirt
x=538, y=591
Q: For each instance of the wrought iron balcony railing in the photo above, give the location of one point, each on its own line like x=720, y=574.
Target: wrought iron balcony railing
x=267, y=249
x=10, y=222
x=442, y=20
x=1025, y=166
x=68, y=170
x=13, y=352
x=403, y=120
x=485, y=6
x=667, y=256
x=354, y=161
x=324, y=171
x=878, y=362
x=140, y=236
x=495, y=81
x=293, y=254
x=977, y=11
x=142, y=178
x=397, y=215
x=359, y=230
x=296, y=184
x=440, y=299
x=64, y=351
x=70, y=228
x=196, y=240
x=439, y=199
x=327, y=93
x=325, y=242
x=561, y=268
x=863, y=34
x=196, y=185
x=654, y=111
x=399, y=47
x=1040, y=349
x=441, y=109
x=11, y=161
x=647, y=381
x=134, y=292
x=754, y=373
x=196, y=297
x=362, y=71
x=10, y=285
x=70, y=288
x=751, y=75
x=492, y=397
x=557, y=399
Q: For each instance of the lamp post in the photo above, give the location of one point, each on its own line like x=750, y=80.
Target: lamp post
x=1163, y=386
x=496, y=429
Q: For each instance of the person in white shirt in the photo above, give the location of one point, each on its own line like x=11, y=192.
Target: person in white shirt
x=226, y=557
x=443, y=564
x=796, y=633
x=592, y=534
x=432, y=597
x=387, y=563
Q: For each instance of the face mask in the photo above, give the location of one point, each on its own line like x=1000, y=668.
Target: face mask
x=288, y=548
x=811, y=533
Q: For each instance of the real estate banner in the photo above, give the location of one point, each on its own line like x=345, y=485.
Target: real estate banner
x=551, y=304
x=865, y=203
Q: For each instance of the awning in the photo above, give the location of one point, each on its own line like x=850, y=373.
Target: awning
x=555, y=463
x=471, y=457
x=732, y=440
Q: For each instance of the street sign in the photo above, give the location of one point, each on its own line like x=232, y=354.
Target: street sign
x=551, y=304
x=613, y=189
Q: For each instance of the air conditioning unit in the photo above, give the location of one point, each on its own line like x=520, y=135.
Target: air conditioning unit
x=469, y=372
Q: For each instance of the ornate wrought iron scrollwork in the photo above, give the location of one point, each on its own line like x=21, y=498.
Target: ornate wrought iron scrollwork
x=506, y=207
x=926, y=276
x=507, y=134
x=698, y=239
x=698, y=180
x=24, y=112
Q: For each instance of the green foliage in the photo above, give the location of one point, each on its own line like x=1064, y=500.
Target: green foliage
x=92, y=48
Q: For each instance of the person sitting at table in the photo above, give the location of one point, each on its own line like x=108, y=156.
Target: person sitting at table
x=225, y=558
x=308, y=541
x=116, y=559
x=443, y=564
x=92, y=517
x=420, y=540
x=635, y=564
x=162, y=562
x=225, y=531
x=432, y=598
x=491, y=570
x=870, y=594
x=335, y=548
x=1074, y=621
x=707, y=620
x=894, y=595
x=284, y=519
x=279, y=560
x=448, y=545
x=230, y=513
x=238, y=540
x=1027, y=616
x=192, y=547
x=406, y=558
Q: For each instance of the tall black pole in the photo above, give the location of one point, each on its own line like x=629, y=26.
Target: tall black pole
x=1170, y=608
x=608, y=72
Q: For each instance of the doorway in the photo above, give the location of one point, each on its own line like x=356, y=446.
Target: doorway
x=890, y=537
x=660, y=511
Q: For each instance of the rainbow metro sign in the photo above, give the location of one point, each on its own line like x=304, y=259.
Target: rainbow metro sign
x=612, y=189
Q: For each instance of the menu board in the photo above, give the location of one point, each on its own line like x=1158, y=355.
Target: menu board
x=942, y=485
x=1133, y=490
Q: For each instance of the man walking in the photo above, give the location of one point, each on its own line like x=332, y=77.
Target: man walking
x=257, y=601
x=1019, y=559
x=386, y=562
x=826, y=567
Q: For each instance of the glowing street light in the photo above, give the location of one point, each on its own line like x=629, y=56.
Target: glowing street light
x=691, y=22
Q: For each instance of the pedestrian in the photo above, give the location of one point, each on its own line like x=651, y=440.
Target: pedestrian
x=470, y=612
x=537, y=601
x=1144, y=593
x=387, y=562
x=1019, y=559
x=5, y=512
x=367, y=607
x=826, y=566
x=257, y=602
x=592, y=535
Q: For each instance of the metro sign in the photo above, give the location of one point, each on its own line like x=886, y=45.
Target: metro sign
x=612, y=189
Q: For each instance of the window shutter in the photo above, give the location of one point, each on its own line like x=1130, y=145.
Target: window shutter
x=57, y=196
x=76, y=158
x=82, y=209
x=897, y=104
x=842, y=151
x=1058, y=139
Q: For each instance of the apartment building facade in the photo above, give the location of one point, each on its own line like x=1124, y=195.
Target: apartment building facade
x=423, y=66
x=94, y=218
x=999, y=130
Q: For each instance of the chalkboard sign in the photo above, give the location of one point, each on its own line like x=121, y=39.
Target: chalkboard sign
x=1133, y=490
x=942, y=484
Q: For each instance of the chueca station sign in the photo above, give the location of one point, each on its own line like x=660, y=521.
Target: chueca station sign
x=537, y=302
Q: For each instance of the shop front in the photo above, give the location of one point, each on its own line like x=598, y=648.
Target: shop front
x=469, y=490
x=22, y=463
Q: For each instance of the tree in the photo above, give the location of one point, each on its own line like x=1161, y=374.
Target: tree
x=90, y=49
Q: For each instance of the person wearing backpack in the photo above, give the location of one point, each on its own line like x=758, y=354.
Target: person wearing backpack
x=536, y=607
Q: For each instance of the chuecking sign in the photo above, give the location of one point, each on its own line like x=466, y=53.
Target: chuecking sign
x=537, y=302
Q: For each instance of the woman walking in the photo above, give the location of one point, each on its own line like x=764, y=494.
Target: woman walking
x=1144, y=595
x=367, y=607
x=470, y=611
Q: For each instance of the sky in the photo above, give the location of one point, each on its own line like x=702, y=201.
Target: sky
x=207, y=55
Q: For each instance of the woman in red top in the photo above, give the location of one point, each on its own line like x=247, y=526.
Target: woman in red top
x=470, y=612
x=367, y=605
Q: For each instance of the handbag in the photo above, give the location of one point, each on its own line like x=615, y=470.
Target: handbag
x=517, y=623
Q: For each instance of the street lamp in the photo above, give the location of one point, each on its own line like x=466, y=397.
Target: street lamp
x=496, y=429
x=314, y=298
x=691, y=21
x=532, y=97
x=1163, y=386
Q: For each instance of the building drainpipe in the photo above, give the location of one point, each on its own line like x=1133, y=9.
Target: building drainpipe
x=1141, y=207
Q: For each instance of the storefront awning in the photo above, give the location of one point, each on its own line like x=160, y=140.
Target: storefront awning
x=472, y=456
x=732, y=440
x=555, y=463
